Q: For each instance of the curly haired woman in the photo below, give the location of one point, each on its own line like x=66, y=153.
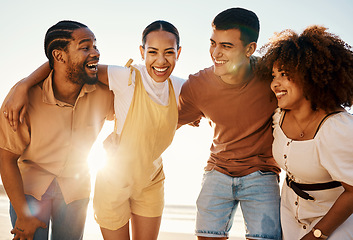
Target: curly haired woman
x=312, y=78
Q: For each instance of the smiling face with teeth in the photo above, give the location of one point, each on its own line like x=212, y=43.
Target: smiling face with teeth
x=82, y=57
x=288, y=93
x=160, y=54
x=230, y=57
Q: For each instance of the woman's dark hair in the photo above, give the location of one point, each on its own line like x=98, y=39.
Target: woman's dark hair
x=160, y=25
x=59, y=36
x=318, y=61
x=242, y=19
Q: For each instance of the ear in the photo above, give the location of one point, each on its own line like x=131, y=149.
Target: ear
x=250, y=49
x=142, y=51
x=58, y=55
x=178, y=53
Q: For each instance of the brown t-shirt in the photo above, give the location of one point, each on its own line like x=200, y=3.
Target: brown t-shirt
x=56, y=137
x=241, y=117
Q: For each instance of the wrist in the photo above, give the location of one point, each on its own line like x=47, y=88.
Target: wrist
x=318, y=233
x=24, y=213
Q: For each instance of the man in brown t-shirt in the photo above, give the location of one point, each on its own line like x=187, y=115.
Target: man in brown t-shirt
x=43, y=163
x=239, y=106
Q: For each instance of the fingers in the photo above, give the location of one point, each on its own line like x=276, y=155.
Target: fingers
x=43, y=225
x=11, y=120
x=22, y=113
x=15, y=117
x=21, y=235
x=16, y=233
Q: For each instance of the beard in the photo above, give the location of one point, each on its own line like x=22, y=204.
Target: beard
x=77, y=74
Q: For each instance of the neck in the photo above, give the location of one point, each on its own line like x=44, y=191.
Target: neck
x=302, y=123
x=65, y=90
x=303, y=113
x=240, y=76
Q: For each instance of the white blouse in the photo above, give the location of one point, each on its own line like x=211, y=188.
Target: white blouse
x=327, y=157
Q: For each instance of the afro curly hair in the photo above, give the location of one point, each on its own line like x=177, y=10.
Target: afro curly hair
x=318, y=61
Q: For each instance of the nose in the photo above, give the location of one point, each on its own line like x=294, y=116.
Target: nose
x=215, y=51
x=274, y=83
x=161, y=59
x=95, y=53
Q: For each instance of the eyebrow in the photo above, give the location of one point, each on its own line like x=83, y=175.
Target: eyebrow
x=171, y=48
x=223, y=43
x=85, y=40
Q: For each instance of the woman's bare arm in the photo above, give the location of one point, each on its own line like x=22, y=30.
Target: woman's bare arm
x=16, y=106
x=103, y=74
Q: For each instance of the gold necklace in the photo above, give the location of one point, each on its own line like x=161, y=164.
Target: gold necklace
x=301, y=135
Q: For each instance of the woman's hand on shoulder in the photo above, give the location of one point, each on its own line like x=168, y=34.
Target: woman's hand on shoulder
x=15, y=106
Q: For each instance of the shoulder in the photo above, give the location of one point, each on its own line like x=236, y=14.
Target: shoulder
x=200, y=78
x=277, y=116
x=103, y=92
x=335, y=129
x=177, y=82
x=204, y=73
x=118, y=77
x=102, y=87
x=117, y=69
x=338, y=122
x=117, y=72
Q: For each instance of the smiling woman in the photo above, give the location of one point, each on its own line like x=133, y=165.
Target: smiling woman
x=160, y=61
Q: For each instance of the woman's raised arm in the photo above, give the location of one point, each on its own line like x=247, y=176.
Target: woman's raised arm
x=16, y=105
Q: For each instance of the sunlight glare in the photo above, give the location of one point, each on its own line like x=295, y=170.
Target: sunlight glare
x=97, y=158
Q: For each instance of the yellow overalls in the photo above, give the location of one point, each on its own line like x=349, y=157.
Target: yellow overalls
x=132, y=181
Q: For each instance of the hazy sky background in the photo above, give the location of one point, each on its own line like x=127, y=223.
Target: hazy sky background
x=118, y=26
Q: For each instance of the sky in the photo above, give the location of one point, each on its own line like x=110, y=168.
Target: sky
x=118, y=27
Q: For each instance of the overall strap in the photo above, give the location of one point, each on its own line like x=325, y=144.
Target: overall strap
x=128, y=65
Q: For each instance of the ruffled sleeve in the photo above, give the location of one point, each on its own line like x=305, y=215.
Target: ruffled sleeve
x=276, y=117
x=335, y=147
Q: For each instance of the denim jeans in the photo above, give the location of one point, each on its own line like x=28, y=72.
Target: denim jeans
x=67, y=221
x=259, y=198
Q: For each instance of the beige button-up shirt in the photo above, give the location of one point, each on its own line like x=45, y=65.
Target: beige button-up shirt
x=56, y=137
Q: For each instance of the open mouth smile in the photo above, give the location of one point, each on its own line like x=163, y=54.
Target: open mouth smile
x=160, y=71
x=92, y=66
x=220, y=61
x=280, y=94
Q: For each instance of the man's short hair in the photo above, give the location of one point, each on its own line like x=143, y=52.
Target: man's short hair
x=59, y=36
x=239, y=18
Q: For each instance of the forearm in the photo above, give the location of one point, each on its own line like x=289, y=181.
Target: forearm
x=36, y=77
x=13, y=185
x=339, y=212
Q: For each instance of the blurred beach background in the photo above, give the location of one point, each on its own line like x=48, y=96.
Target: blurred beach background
x=118, y=26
